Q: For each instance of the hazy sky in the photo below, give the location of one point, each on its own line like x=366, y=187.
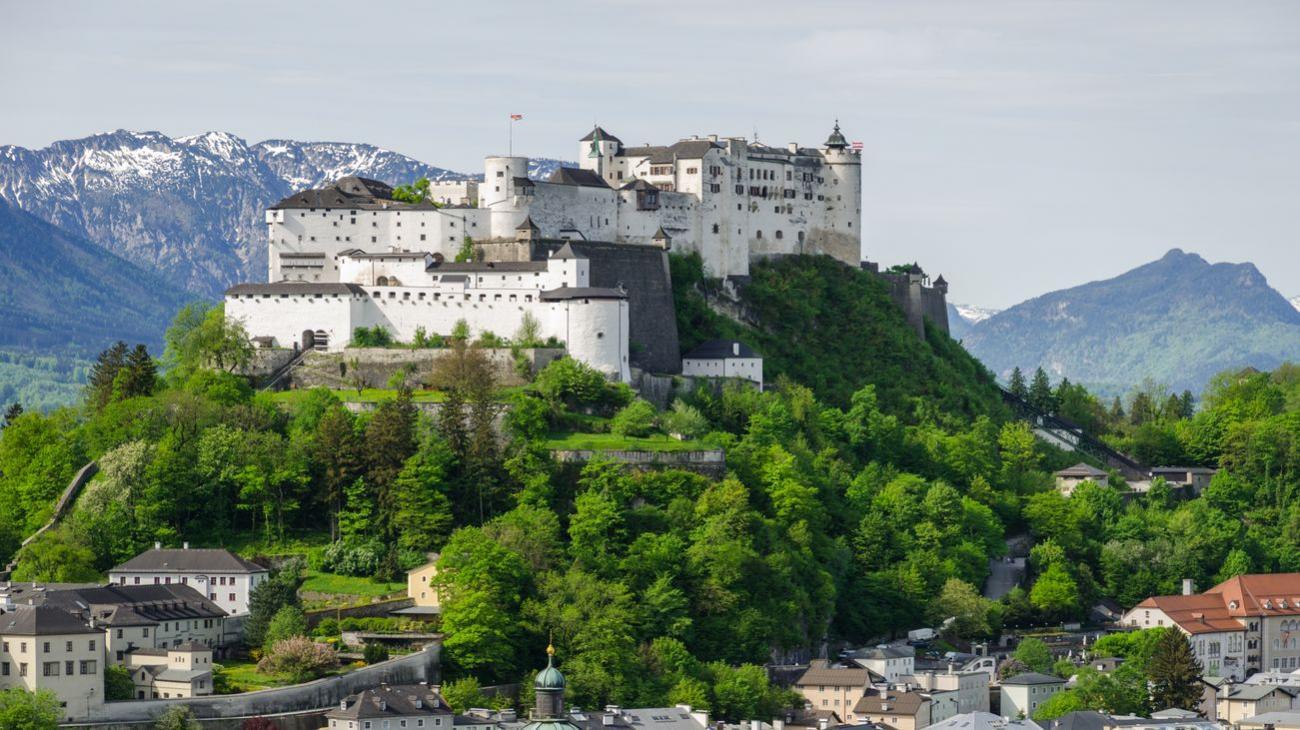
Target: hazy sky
x=1014, y=146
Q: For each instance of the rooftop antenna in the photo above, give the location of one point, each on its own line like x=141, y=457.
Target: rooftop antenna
x=755, y=132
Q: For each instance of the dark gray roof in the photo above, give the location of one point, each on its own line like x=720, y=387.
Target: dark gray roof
x=293, y=287
x=566, y=252
x=192, y=560
x=43, y=621
x=581, y=292
x=527, y=225
x=576, y=176
x=485, y=266
x=720, y=349
x=350, y=192
x=639, y=184
x=661, y=234
x=1033, y=678
x=192, y=646
x=135, y=605
x=686, y=149
x=1082, y=470
x=380, y=255
x=407, y=700
x=304, y=255
x=606, y=136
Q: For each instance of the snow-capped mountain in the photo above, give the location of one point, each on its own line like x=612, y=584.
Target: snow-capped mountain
x=188, y=207
x=974, y=314
x=1295, y=302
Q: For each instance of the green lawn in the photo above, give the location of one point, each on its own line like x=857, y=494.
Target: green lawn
x=345, y=585
x=614, y=442
x=296, y=542
x=242, y=675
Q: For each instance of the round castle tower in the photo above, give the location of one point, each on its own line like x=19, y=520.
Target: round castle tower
x=499, y=173
x=844, y=181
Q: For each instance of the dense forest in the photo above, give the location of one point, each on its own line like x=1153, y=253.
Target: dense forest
x=866, y=490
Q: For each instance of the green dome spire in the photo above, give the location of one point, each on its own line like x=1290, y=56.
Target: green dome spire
x=549, y=678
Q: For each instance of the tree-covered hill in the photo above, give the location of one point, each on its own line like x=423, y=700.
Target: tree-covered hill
x=834, y=329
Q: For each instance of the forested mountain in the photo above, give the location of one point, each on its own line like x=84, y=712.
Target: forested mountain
x=1178, y=320
x=63, y=300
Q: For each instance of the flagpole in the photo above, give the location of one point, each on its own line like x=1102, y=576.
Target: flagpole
x=511, y=145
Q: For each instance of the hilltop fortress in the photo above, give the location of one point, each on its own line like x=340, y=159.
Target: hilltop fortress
x=583, y=255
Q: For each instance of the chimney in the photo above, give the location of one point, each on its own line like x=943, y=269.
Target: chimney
x=884, y=691
x=713, y=138
x=735, y=349
x=157, y=546
x=951, y=668
x=1189, y=587
x=185, y=545
x=755, y=725
x=823, y=723
x=793, y=147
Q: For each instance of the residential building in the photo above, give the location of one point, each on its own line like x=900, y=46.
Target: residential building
x=724, y=359
x=221, y=576
x=411, y=706
x=1243, y=625
x=1237, y=702
x=179, y=671
x=891, y=662
x=1271, y=721
x=900, y=710
x=42, y=647
x=1023, y=694
x=150, y=616
x=614, y=717
x=984, y=721
x=1195, y=477
x=1091, y=720
x=1069, y=479
x=836, y=689
x=952, y=692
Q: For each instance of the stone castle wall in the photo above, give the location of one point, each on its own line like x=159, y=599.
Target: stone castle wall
x=377, y=364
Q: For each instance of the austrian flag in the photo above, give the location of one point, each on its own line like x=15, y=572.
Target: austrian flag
x=516, y=117
x=857, y=146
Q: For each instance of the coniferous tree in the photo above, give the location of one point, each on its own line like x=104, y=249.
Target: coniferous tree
x=390, y=441
x=1116, y=412
x=103, y=374
x=1188, y=405
x=1040, y=393
x=138, y=375
x=1142, y=410
x=12, y=413
x=1017, y=384
x=338, y=455
x=1174, y=672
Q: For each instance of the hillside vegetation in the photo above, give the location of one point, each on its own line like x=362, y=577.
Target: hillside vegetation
x=866, y=492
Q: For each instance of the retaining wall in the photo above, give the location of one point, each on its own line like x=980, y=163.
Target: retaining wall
x=364, y=610
x=377, y=364
x=317, y=696
x=712, y=462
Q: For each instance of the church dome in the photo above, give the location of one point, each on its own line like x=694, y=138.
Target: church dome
x=549, y=678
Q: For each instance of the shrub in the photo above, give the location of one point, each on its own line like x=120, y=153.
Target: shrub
x=117, y=683
x=328, y=627
x=637, y=419
x=685, y=421
x=353, y=557
x=529, y=333
x=574, y=384
x=374, y=653
x=460, y=330
x=490, y=339
x=377, y=336
x=300, y=658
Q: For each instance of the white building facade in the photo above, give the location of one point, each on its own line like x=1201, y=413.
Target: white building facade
x=406, y=292
x=724, y=359
x=728, y=199
x=218, y=575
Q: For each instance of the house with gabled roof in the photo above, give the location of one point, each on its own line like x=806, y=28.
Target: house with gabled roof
x=218, y=574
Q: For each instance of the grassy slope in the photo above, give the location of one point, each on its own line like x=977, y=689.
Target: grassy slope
x=835, y=329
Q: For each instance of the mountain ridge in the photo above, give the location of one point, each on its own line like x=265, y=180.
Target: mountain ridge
x=1178, y=319
x=189, y=207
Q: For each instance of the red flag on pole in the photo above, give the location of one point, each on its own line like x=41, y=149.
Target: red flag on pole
x=516, y=117
x=857, y=146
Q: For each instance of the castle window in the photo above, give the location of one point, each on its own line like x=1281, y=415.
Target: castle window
x=353, y=221
x=780, y=234
x=501, y=173
x=758, y=234
x=715, y=227
x=692, y=171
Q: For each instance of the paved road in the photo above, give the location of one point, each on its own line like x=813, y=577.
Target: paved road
x=1006, y=573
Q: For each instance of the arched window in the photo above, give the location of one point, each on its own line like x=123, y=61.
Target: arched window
x=780, y=234
x=381, y=281
x=758, y=234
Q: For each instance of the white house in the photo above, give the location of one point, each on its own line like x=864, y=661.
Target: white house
x=1069, y=479
x=217, y=574
x=724, y=359
x=1024, y=693
x=891, y=662
x=179, y=671
x=952, y=692
x=150, y=616
x=47, y=648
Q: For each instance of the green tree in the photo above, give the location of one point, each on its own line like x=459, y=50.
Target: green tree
x=480, y=586
x=1017, y=384
x=1040, y=395
x=464, y=693
x=390, y=440
x=973, y=616
x=23, y=710
x=1173, y=672
x=1237, y=563
x=636, y=419
x=200, y=336
x=1033, y=653
x=287, y=623
x=338, y=460
x=103, y=373
x=416, y=192
x=423, y=518
x=374, y=652
x=57, y=556
x=1056, y=593
x=268, y=597
x=118, y=684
